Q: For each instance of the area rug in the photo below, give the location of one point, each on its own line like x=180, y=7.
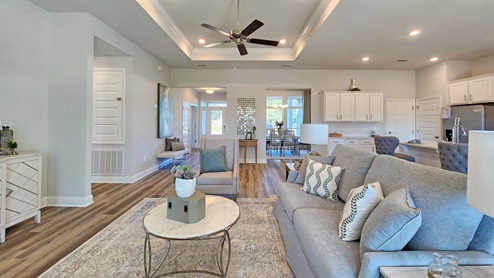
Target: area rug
x=117, y=250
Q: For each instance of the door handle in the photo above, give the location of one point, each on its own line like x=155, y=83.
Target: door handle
x=471, y=98
x=465, y=98
x=437, y=137
x=119, y=98
x=371, y=117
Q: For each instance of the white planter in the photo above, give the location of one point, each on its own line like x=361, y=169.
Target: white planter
x=185, y=188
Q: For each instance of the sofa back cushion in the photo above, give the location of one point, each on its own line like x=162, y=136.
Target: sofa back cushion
x=484, y=237
x=231, y=149
x=356, y=163
x=448, y=222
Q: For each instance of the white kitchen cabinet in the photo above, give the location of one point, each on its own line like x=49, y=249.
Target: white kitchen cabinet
x=366, y=144
x=353, y=107
x=477, y=89
x=369, y=107
x=338, y=106
x=331, y=107
x=20, y=180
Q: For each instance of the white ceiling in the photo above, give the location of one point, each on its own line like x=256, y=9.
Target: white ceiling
x=318, y=37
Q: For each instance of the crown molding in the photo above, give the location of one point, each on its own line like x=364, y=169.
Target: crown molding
x=158, y=13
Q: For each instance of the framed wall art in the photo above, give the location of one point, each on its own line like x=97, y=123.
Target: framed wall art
x=165, y=111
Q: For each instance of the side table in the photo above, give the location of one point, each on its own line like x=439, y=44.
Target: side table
x=243, y=143
x=470, y=271
x=291, y=173
x=221, y=215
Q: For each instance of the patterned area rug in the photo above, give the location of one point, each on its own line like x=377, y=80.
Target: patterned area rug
x=117, y=250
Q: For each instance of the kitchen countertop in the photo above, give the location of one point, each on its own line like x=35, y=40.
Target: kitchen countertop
x=432, y=145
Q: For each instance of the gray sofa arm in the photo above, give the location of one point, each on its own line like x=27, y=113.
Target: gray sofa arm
x=371, y=261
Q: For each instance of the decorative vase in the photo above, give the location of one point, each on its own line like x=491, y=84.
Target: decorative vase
x=185, y=188
x=436, y=266
x=14, y=152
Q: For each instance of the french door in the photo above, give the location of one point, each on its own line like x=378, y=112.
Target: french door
x=213, y=122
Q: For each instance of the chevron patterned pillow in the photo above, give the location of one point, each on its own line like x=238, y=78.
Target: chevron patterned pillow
x=359, y=205
x=322, y=180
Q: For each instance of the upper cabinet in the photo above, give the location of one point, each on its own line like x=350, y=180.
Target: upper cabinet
x=352, y=106
x=477, y=89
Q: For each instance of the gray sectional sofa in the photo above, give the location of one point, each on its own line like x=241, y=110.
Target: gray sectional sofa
x=309, y=224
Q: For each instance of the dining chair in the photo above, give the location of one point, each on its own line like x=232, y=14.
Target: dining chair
x=453, y=156
x=288, y=141
x=274, y=142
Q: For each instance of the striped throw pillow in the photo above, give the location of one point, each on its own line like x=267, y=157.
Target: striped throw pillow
x=322, y=180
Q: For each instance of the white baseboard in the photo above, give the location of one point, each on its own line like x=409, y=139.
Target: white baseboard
x=66, y=201
x=127, y=179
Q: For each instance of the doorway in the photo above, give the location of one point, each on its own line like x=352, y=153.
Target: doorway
x=213, y=123
x=186, y=124
x=400, y=118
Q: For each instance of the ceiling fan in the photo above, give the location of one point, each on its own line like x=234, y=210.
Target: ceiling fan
x=240, y=36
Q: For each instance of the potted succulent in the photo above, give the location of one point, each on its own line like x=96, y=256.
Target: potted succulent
x=185, y=180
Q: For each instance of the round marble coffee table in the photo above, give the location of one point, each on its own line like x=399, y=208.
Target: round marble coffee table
x=221, y=215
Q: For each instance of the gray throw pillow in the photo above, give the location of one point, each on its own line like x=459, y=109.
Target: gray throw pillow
x=168, y=143
x=321, y=159
x=213, y=160
x=391, y=224
x=178, y=146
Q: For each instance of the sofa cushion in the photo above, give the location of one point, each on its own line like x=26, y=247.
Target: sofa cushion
x=392, y=223
x=301, y=172
x=356, y=163
x=212, y=178
x=327, y=255
x=484, y=237
x=361, y=202
x=212, y=160
x=178, y=146
x=322, y=180
x=168, y=143
x=448, y=222
x=293, y=198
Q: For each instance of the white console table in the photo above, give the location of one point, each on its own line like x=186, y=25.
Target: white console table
x=20, y=189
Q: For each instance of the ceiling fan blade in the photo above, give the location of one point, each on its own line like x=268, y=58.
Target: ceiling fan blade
x=215, y=29
x=216, y=43
x=264, y=42
x=253, y=26
x=242, y=49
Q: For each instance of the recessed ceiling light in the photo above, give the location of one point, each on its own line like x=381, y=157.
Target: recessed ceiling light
x=209, y=91
x=282, y=41
x=202, y=41
x=365, y=59
x=414, y=33
x=433, y=59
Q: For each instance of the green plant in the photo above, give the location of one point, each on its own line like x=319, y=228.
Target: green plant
x=182, y=172
x=278, y=124
x=12, y=144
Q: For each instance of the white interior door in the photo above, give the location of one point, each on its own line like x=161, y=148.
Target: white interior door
x=429, y=119
x=193, y=130
x=213, y=121
x=108, y=112
x=186, y=112
x=400, y=118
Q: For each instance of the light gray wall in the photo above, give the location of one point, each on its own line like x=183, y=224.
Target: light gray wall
x=141, y=118
x=255, y=83
x=24, y=58
x=69, y=109
x=434, y=80
x=483, y=66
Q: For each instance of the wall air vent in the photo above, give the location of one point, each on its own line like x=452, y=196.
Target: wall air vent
x=201, y=65
x=402, y=60
x=107, y=162
x=287, y=65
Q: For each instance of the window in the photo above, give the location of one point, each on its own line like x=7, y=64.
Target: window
x=288, y=108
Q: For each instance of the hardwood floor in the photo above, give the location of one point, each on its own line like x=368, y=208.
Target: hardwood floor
x=32, y=248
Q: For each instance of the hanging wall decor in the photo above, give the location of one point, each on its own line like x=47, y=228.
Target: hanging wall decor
x=246, y=118
x=165, y=111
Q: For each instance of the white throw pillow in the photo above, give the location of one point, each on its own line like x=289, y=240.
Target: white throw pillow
x=322, y=180
x=359, y=205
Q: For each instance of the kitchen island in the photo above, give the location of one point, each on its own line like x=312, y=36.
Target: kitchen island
x=425, y=153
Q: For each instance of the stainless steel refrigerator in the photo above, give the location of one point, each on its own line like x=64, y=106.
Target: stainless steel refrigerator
x=472, y=117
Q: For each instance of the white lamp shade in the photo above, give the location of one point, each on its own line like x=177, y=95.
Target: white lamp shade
x=480, y=185
x=316, y=134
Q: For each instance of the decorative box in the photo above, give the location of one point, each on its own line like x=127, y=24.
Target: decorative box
x=5, y=137
x=186, y=210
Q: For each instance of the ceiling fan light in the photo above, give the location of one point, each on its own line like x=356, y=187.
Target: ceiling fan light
x=202, y=41
x=282, y=41
x=209, y=91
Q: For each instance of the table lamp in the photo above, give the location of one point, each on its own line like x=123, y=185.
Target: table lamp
x=480, y=179
x=315, y=134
